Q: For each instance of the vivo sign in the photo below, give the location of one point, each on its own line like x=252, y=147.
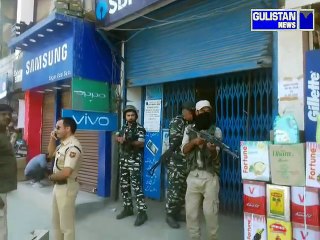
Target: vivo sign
x=92, y=120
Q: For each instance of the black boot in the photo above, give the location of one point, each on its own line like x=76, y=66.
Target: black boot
x=126, y=212
x=180, y=217
x=141, y=218
x=172, y=221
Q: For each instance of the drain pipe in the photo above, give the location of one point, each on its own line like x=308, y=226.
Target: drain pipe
x=121, y=102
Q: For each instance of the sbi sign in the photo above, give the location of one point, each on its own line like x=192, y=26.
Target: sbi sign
x=103, y=7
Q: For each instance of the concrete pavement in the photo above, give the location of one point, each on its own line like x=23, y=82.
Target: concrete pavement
x=29, y=208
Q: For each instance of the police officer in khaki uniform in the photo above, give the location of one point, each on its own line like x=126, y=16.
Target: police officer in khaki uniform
x=68, y=156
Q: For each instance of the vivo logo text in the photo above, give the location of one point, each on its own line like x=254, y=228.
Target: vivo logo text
x=93, y=121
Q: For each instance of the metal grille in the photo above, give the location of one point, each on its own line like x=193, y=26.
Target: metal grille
x=47, y=120
x=243, y=112
x=176, y=94
x=243, y=109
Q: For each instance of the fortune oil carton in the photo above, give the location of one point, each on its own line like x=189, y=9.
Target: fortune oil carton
x=255, y=160
x=278, y=202
x=312, y=164
x=255, y=227
x=279, y=230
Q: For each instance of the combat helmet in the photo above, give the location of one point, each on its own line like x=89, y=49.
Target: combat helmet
x=130, y=108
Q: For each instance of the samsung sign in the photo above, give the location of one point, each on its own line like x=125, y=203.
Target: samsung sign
x=110, y=11
x=87, y=120
x=48, y=65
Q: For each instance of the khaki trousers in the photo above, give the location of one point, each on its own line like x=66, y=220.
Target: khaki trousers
x=3, y=217
x=202, y=194
x=63, y=210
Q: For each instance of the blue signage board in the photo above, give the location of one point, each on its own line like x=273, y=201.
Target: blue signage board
x=282, y=19
x=98, y=121
x=152, y=153
x=312, y=95
x=47, y=65
x=110, y=11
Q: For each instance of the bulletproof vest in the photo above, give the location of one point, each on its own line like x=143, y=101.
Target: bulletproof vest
x=210, y=162
x=130, y=134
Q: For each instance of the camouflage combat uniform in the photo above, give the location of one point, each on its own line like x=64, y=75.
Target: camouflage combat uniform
x=131, y=166
x=177, y=168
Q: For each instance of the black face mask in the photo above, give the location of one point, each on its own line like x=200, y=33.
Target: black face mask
x=203, y=121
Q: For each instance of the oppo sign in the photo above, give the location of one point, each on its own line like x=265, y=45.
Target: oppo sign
x=92, y=120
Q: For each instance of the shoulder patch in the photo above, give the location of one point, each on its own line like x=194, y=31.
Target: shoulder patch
x=72, y=154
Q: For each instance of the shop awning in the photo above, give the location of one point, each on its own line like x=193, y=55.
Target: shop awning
x=56, y=26
x=62, y=47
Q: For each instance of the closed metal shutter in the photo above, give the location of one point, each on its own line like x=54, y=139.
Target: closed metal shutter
x=47, y=120
x=88, y=173
x=211, y=37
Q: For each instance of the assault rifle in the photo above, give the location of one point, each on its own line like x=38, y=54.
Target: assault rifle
x=214, y=140
x=165, y=157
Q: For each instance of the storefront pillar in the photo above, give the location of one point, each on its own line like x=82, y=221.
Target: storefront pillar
x=33, y=122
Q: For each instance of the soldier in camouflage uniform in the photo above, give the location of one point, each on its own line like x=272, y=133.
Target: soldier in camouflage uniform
x=203, y=162
x=177, y=168
x=131, y=137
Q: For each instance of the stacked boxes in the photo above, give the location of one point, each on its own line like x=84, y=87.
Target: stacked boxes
x=255, y=160
x=254, y=225
x=281, y=184
x=305, y=206
x=254, y=197
x=69, y=7
x=305, y=232
x=255, y=166
x=288, y=164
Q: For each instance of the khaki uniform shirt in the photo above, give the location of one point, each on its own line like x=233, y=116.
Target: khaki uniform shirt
x=68, y=154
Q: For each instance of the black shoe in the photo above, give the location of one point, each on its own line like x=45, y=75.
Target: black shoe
x=172, y=222
x=126, y=212
x=142, y=217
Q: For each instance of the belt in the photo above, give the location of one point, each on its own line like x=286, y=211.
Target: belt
x=61, y=182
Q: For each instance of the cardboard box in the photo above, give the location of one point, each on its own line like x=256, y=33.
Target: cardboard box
x=278, y=202
x=255, y=160
x=278, y=229
x=254, y=197
x=288, y=164
x=312, y=164
x=21, y=165
x=254, y=225
x=305, y=232
x=305, y=198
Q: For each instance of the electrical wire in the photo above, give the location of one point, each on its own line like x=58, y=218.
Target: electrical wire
x=224, y=9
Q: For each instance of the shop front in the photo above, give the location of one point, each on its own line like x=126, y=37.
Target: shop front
x=66, y=65
x=194, y=50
